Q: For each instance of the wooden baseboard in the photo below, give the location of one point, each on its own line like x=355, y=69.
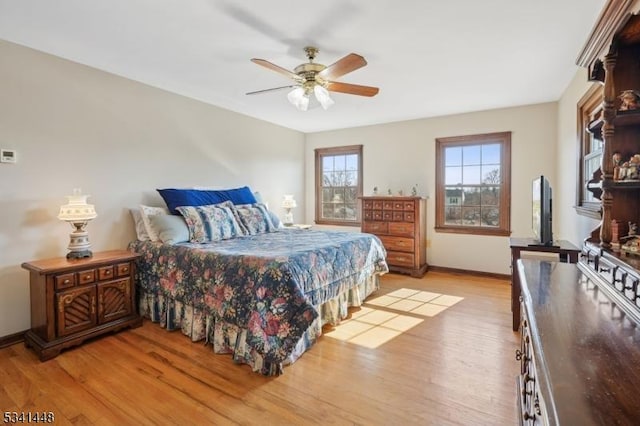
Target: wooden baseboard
x=12, y=339
x=468, y=272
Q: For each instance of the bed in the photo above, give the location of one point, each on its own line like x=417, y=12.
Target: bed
x=262, y=298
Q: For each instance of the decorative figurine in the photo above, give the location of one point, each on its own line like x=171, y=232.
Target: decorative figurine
x=414, y=190
x=630, y=100
x=400, y=192
x=615, y=235
x=617, y=162
x=389, y=191
x=375, y=190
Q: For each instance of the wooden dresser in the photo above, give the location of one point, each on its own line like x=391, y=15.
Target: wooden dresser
x=580, y=347
x=76, y=299
x=400, y=223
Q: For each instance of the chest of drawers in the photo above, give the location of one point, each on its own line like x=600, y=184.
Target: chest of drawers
x=76, y=299
x=400, y=224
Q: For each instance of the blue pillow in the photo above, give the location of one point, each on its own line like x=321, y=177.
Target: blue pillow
x=197, y=197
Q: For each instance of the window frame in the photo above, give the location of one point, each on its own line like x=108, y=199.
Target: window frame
x=504, y=226
x=320, y=153
x=588, y=108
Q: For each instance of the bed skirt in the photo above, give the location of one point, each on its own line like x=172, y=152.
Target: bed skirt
x=227, y=338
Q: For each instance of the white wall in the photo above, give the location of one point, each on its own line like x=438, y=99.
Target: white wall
x=400, y=155
x=119, y=140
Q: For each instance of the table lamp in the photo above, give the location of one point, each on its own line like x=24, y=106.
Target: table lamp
x=78, y=213
x=288, y=203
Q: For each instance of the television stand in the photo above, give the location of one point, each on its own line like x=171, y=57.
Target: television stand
x=567, y=252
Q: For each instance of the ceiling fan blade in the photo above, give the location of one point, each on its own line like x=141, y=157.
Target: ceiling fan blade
x=352, y=89
x=276, y=68
x=257, y=92
x=349, y=63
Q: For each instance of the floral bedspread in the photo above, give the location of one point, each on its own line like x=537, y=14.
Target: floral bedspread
x=269, y=284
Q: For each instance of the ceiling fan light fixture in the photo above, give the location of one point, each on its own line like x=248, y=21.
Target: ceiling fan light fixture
x=299, y=98
x=322, y=95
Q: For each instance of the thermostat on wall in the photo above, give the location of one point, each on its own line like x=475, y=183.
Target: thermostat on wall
x=7, y=156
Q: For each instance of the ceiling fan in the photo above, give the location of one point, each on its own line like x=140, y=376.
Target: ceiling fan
x=317, y=79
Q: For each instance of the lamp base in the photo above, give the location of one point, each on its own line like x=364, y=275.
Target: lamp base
x=79, y=254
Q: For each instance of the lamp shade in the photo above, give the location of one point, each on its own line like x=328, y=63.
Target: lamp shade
x=77, y=209
x=288, y=202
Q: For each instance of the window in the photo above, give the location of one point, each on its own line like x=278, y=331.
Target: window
x=590, y=151
x=338, y=185
x=473, y=184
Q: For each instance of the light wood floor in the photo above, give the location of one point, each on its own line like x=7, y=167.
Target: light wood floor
x=455, y=368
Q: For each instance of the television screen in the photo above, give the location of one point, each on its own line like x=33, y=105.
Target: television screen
x=541, y=211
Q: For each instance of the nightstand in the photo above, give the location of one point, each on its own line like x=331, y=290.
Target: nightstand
x=76, y=299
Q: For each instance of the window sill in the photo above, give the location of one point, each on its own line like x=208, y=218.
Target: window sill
x=472, y=231
x=593, y=212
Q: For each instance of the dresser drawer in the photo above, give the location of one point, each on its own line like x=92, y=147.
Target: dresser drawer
x=367, y=204
x=65, y=281
x=387, y=215
x=400, y=259
x=397, y=243
x=377, y=215
x=375, y=227
x=409, y=217
x=367, y=215
x=402, y=229
x=377, y=204
x=387, y=205
x=409, y=205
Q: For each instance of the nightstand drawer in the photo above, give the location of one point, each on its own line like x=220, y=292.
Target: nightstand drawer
x=397, y=243
x=105, y=273
x=65, y=281
x=123, y=269
x=86, y=277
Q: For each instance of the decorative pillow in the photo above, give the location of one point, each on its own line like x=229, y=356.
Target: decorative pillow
x=141, y=231
x=197, y=197
x=146, y=212
x=255, y=218
x=210, y=223
x=169, y=228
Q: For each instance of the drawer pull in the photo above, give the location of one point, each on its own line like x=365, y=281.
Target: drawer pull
x=67, y=281
x=519, y=355
x=528, y=378
x=107, y=272
x=528, y=416
x=603, y=269
x=125, y=269
x=87, y=277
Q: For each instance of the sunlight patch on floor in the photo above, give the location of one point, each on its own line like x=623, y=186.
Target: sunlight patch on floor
x=373, y=326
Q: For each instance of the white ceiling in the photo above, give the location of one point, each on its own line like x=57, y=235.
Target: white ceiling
x=428, y=57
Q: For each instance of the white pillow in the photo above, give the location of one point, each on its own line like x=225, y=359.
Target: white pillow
x=145, y=212
x=141, y=230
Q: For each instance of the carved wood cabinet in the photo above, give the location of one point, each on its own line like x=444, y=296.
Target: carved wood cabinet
x=611, y=56
x=400, y=223
x=76, y=299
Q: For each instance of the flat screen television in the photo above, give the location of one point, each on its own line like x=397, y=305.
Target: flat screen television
x=541, y=211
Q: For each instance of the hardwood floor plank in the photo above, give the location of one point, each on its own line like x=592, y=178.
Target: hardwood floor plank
x=453, y=368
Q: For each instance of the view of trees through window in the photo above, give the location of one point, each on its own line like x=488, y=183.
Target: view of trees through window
x=338, y=172
x=473, y=184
